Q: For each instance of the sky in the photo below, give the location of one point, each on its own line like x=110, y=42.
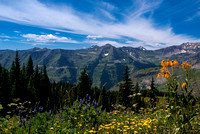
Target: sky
x=79, y=24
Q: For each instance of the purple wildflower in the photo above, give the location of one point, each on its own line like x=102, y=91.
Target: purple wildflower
x=40, y=109
x=62, y=120
x=89, y=107
x=35, y=111
x=79, y=107
x=23, y=120
x=85, y=109
x=26, y=116
x=20, y=124
x=86, y=96
x=29, y=124
x=20, y=112
x=50, y=112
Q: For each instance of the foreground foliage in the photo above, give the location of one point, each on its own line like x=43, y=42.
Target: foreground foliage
x=85, y=116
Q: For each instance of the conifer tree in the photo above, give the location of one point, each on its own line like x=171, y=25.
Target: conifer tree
x=15, y=77
x=84, y=85
x=5, y=91
x=103, y=100
x=152, y=93
x=125, y=89
x=29, y=68
x=137, y=98
x=45, y=87
x=23, y=84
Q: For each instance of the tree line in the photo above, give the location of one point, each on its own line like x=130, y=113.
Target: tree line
x=32, y=84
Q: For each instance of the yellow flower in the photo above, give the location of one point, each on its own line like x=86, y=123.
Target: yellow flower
x=58, y=126
x=140, y=128
x=75, y=118
x=183, y=85
x=167, y=74
x=185, y=65
x=91, y=131
x=176, y=63
x=57, y=121
x=80, y=125
x=155, y=129
x=6, y=129
x=163, y=63
x=135, y=132
x=81, y=115
x=107, y=127
x=149, y=126
x=51, y=128
x=125, y=126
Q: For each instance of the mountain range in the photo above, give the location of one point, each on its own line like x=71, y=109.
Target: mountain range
x=104, y=64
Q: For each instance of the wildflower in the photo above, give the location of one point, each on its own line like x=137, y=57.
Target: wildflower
x=135, y=132
x=86, y=108
x=168, y=63
x=185, y=65
x=29, y=124
x=51, y=128
x=110, y=113
x=80, y=125
x=176, y=63
x=23, y=121
x=40, y=109
x=91, y=131
x=75, y=118
x=6, y=129
x=50, y=112
x=107, y=127
x=62, y=121
x=20, y=112
x=86, y=96
x=163, y=63
x=183, y=85
x=27, y=117
x=58, y=126
x=20, y=124
x=35, y=111
x=81, y=115
x=79, y=107
x=167, y=74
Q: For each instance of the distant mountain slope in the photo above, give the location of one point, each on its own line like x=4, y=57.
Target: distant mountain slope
x=105, y=64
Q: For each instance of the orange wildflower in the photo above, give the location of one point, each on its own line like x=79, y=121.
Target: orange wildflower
x=183, y=85
x=176, y=63
x=163, y=63
x=167, y=74
x=185, y=65
x=159, y=75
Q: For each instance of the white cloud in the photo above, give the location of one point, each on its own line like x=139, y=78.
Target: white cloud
x=66, y=19
x=94, y=37
x=17, y=31
x=47, y=38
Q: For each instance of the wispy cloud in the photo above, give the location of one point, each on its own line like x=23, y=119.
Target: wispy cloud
x=64, y=18
x=49, y=38
x=94, y=37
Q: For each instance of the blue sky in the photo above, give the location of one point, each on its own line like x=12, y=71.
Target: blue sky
x=77, y=24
